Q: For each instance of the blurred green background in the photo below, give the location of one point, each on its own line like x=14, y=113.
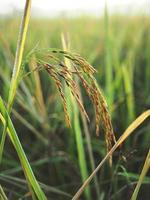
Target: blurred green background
x=119, y=48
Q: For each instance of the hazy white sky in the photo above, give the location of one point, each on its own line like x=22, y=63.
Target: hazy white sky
x=48, y=7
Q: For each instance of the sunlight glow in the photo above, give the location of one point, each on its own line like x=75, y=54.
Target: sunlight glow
x=50, y=7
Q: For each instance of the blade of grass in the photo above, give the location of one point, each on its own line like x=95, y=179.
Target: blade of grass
x=143, y=174
x=22, y=182
x=80, y=148
x=21, y=154
x=108, y=61
x=124, y=136
x=66, y=47
x=89, y=148
x=17, y=67
x=129, y=91
x=30, y=127
x=2, y=194
x=39, y=94
x=135, y=177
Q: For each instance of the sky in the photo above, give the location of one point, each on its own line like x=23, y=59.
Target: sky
x=56, y=7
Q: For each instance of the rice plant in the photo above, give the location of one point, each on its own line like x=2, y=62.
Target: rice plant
x=53, y=107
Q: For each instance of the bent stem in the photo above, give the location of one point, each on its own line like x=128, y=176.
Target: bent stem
x=124, y=136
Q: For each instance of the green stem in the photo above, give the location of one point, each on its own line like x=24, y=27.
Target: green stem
x=17, y=67
x=143, y=173
x=34, y=185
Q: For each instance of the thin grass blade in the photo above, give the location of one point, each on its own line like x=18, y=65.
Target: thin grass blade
x=142, y=176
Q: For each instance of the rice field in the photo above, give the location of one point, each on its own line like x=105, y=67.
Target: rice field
x=75, y=107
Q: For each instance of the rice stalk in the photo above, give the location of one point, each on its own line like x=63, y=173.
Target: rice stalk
x=137, y=122
x=17, y=67
x=76, y=124
x=142, y=176
x=19, y=53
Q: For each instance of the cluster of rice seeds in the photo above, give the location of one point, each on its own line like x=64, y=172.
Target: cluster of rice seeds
x=52, y=72
x=74, y=90
x=78, y=60
x=85, y=72
x=66, y=74
x=105, y=117
x=99, y=103
x=101, y=111
x=90, y=91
